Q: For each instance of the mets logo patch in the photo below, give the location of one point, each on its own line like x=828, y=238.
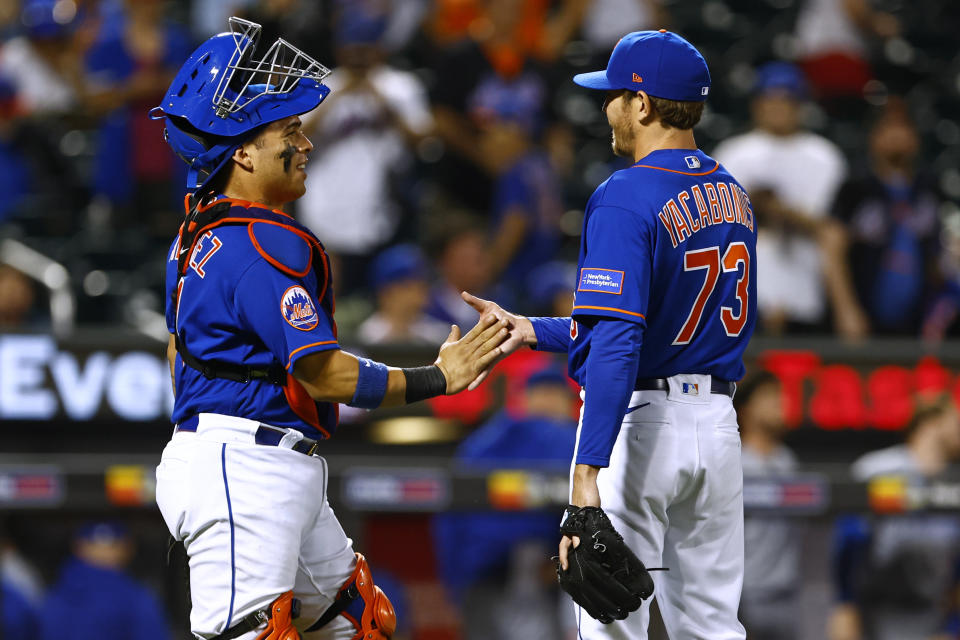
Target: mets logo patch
x=298, y=310
x=601, y=281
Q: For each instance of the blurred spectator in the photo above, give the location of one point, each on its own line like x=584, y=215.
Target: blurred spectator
x=508, y=31
x=19, y=619
x=20, y=593
x=362, y=137
x=499, y=562
x=406, y=17
x=894, y=574
x=769, y=606
x=833, y=37
x=9, y=18
x=478, y=41
x=17, y=298
x=460, y=257
x=550, y=289
x=44, y=63
x=606, y=21
x=400, y=281
x=128, y=73
x=292, y=20
x=95, y=598
x=208, y=17
x=527, y=201
x=15, y=176
x=893, y=228
x=18, y=574
x=792, y=176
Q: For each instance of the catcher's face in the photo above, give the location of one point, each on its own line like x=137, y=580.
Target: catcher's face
x=278, y=159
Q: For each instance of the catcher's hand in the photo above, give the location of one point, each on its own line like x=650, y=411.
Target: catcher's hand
x=603, y=575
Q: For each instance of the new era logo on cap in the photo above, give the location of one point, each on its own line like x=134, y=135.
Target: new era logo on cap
x=637, y=78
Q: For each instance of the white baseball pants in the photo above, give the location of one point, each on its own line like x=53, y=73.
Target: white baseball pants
x=674, y=490
x=255, y=523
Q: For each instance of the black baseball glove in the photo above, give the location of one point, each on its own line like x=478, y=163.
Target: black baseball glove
x=603, y=576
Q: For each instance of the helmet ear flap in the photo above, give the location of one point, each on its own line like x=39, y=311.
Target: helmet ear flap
x=205, y=155
x=188, y=147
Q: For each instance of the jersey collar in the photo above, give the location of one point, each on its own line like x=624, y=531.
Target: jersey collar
x=691, y=162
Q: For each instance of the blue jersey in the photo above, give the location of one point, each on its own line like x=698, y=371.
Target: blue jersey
x=254, y=294
x=670, y=243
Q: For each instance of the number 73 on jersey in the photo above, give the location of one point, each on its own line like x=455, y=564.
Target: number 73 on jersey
x=735, y=258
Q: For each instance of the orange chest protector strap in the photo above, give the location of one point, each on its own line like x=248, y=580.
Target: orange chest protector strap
x=200, y=219
x=364, y=604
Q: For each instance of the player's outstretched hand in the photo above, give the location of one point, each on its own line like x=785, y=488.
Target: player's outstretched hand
x=521, y=330
x=463, y=359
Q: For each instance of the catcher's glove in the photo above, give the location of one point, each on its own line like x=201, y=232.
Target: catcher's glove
x=603, y=576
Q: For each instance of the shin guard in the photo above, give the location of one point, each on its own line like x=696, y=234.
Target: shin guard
x=364, y=604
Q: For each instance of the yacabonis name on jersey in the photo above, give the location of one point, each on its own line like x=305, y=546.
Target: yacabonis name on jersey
x=716, y=203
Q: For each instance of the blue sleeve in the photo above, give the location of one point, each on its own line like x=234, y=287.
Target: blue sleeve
x=284, y=313
x=611, y=374
x=171, y=282
x=553, y=334
x=616, y=265
x=108, y=58
x=18, y=618
x=512, y=191
x=851, y=542
x=149, y=619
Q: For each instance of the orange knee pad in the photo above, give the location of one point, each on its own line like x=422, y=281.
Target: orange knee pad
x=281, y=613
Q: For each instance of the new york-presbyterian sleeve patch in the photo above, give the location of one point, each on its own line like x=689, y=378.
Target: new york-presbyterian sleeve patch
x=601, y=281
x=298, y=309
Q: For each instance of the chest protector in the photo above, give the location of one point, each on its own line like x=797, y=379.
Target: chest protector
x=202, y=217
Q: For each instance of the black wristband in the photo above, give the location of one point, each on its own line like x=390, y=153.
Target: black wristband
x=424, y=382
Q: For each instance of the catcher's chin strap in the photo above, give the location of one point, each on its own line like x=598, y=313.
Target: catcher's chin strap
x=195, y=224
x=278, y=617
x=364, y=604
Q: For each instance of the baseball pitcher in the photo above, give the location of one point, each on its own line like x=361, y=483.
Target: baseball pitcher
x=665, y=305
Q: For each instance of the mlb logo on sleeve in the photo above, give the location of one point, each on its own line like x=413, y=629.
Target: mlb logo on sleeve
x=601, y=281
x=298, y=309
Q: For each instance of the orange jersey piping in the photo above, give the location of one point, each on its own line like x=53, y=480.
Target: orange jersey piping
x=632, y=313
x=686, y=173
x=307, y=346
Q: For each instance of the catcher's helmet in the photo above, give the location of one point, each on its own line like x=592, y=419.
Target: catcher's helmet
x=222, y=94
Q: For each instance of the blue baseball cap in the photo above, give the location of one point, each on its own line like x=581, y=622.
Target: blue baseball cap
x=102, y=531
x=549, y=375
x=549, y=279
x=396, y=264
x=518, y=100
x=782, y=77
x=358, y=25
x=659, y=62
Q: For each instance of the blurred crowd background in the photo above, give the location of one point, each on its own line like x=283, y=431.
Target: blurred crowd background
x=454, y=153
